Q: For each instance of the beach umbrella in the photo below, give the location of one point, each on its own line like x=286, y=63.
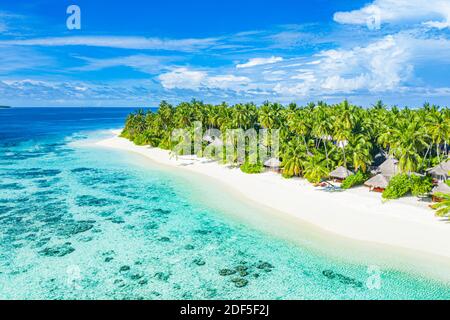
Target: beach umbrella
x=378, y=181
x=273, y=163
x=341, y=173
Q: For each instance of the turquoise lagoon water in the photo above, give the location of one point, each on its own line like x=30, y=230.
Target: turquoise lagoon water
x=80, y=222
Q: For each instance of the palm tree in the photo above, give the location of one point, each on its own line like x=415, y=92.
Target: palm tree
x=409, y=141
x=293, y=158
x=315, y=168
x=438, y=126
x=443, y=208
x=360, y=148
x=323, y=127
x=269, y=115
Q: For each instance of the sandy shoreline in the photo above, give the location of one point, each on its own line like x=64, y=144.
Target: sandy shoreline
x=356, y=214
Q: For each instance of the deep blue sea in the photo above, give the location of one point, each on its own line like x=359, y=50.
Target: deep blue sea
x=82, y=222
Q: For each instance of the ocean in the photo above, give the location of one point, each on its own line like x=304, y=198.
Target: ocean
x=82, y=222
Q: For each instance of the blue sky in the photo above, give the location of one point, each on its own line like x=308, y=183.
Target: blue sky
x=136, y=53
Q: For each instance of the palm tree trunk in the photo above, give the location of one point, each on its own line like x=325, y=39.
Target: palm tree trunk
x=326, y=153
x=437, y=151
x=426, y=154
x=306, y=144
x=345, y=160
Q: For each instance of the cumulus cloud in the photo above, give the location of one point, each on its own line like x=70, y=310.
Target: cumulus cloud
x=259, y=61
x=380, y=66
x=386, y=65
x=433, y=13
x=184, y=78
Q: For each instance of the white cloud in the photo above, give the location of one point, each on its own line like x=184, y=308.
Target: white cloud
x=35, y=92
x=295, y=90
x=384, y=66
x=227, y=82
x=138, y=43
x=380, y=66
x=433, y=13
x=144, y=63
x=184, y=78
x=15, y=59
x=259, y=61
x=339, y=84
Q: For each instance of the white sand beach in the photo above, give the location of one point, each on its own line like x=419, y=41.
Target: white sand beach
x=357, y=213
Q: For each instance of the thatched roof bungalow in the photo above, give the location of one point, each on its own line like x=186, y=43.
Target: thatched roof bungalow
x=441, y=171
x=340, y=173
x=378, y=183
x=389, y=167
x=442, y=187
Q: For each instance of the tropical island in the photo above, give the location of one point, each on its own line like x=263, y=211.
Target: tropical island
x=5, y=107
x=359, y=172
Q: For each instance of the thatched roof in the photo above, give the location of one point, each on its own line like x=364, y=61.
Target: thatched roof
x=442, y=187
x=440, y=170
x=273, y=163
x=378, y=181
x=341, y=173
x=389, y=167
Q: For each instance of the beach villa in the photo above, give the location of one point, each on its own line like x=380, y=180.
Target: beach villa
x=440, y=172
x=442, y=187
x=386, y=171
x=340, y=174
x=378, y=183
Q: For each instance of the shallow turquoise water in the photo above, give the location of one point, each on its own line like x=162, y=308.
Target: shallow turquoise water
x=86, y=223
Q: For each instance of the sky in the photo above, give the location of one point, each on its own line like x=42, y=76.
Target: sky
x=136, y=53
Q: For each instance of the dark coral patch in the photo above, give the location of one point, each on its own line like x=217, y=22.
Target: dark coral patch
x=330, y=274
x=91, y=201
x=58, y=251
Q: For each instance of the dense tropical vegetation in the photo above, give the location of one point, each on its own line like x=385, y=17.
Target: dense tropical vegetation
x=316, y=138
x=403, y=184
x=355, y=180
